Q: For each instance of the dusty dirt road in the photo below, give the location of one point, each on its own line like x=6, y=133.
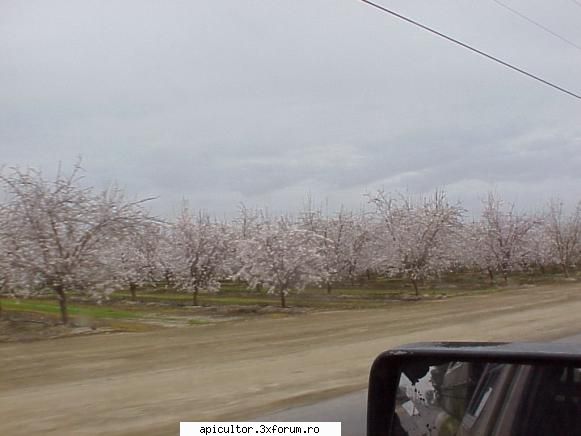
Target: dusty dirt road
x=144, y=384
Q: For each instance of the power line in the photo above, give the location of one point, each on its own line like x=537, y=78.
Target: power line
x=536, y=23
x=475, y=50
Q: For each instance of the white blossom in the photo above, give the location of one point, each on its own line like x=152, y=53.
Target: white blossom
x=54, y=233
x=500, y=237
x=283, y=258
x=563, y=231
x=199, y=251
x=416, y=236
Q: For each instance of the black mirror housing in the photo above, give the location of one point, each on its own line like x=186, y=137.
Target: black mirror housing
x=387, y=368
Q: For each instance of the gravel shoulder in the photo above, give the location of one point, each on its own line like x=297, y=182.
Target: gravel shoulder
x=145, y=383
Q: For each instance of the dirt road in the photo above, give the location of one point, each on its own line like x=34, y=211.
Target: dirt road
x=144, y=384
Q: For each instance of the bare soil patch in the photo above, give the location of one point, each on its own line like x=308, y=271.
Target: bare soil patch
x=145, y=383
x=35, y=321
x=26, y=327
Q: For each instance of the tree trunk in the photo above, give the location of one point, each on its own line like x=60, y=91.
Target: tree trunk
x=490, y=275
x=329, y=287
x=62, y=297
x=282, y=299
x=565, y=270
x=415, y=283
x=195, y=299
x=132, y=289
x=168, y=280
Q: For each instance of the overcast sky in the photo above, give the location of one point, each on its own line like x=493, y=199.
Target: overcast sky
x=262, y=101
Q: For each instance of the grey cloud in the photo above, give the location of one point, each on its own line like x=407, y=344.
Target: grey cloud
x=256, y=100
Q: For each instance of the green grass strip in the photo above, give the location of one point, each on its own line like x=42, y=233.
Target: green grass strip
x=48, y=307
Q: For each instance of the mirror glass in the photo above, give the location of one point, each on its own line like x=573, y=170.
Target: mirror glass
x=464, y=398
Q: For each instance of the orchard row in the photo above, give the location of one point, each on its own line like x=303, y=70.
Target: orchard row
x=59, y=236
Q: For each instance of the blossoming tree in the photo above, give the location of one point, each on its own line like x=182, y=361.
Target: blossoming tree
x=199, y=251
x=54, y=233
x=282, y=257
x=416, y=235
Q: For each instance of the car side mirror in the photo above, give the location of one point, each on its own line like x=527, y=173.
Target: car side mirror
x=476, y=388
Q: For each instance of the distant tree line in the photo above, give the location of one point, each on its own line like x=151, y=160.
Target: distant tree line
x=59, y=236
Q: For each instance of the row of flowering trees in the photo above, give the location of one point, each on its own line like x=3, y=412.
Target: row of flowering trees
x=59, y=236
